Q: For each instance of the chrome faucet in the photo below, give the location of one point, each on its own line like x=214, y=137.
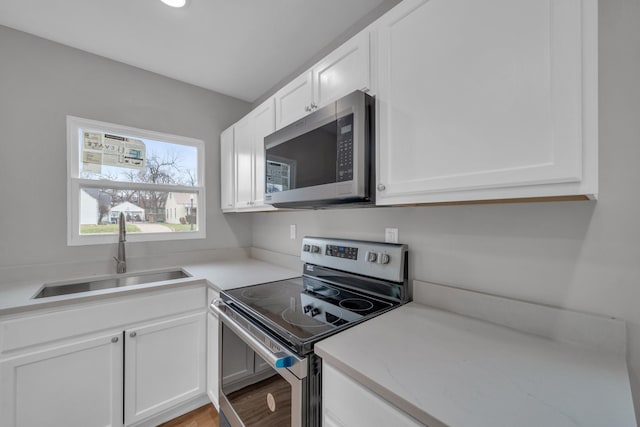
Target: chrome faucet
x=121, y=260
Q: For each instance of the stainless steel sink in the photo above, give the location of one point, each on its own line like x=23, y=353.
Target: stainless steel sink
x=56, y=289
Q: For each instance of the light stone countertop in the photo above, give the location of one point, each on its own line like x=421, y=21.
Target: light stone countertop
x=220, y=274
x=229, y=274
x=445, y=369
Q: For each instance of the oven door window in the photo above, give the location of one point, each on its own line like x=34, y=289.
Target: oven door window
x=257, y=394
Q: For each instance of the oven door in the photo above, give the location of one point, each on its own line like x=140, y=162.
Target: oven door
x=257, y=385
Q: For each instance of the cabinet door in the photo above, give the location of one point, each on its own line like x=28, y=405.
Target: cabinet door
x=213, y=367
x=227, y=169
x=342, y=71
x=73, y=385
x=470, y=99
x=164, y=365
x=244, y=141
x=347, y=403
x=264, y=122
x=294, y=100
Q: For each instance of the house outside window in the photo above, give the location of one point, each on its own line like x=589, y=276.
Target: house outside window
x=144, y=175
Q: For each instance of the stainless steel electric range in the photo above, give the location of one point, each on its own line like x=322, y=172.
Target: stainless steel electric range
x=269, y=375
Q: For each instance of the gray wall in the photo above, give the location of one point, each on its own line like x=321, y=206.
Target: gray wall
x=40, y=83
x=580, y=255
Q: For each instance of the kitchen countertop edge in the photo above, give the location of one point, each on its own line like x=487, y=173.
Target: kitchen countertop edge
x=219, y=275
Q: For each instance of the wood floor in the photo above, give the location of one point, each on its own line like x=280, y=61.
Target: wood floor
x=206, y=416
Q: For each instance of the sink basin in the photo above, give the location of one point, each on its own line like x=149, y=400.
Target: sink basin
x=52, y=290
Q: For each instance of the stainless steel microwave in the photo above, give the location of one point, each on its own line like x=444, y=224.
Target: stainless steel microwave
x=325, y=158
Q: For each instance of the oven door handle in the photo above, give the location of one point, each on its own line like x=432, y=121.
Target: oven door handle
x=279, y=360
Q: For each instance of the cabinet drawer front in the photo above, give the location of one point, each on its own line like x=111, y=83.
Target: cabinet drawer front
x=69, y=321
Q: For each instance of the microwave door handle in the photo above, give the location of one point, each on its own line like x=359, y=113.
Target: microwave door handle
x=279, y=360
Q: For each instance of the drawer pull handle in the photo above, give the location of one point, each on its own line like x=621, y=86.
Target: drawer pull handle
x=132, y=334
x=114, y=340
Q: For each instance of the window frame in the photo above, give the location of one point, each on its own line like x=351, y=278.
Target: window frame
x=75, y=183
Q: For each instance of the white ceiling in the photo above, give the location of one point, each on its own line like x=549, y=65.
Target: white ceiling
x=240, y=48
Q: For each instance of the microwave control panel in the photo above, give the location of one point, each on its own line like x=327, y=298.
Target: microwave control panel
x=345, y=148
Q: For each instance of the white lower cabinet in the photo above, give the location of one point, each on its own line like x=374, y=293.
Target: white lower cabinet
x=73, y=385
x=213, y=360
x=164, y=365
x=346, y=403
x=124, y=361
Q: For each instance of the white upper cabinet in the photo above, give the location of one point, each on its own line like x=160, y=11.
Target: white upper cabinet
x=243, y=143
x=227, y=170
x=294, y=100
x=242, y=169
x=486, y=100
x=344, y=70
x=264, y=123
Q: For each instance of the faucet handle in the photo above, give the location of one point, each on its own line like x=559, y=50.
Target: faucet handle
x=121, y=265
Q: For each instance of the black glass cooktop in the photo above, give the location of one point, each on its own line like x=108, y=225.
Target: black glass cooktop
x=305, y=308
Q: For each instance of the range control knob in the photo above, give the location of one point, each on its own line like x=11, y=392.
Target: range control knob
x=306, y=248
x=307, y=308
x=383, y=259
x=315, y=249
x=372, y=257
x=315, y=311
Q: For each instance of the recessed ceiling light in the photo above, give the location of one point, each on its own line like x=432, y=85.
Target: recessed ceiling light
x=175, y=3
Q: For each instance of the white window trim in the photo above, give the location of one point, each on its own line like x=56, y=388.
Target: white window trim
x=74, y=183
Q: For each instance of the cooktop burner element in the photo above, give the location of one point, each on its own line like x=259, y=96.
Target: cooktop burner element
x=324, y=291
x=356, y=304
x=334, y=292
x=258, y=293
x=306, y=320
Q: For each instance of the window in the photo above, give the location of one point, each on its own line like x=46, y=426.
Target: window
x=155, y=180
